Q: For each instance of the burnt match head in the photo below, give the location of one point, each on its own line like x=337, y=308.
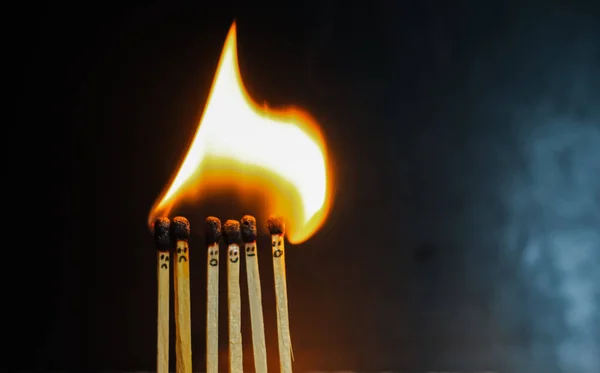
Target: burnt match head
x=231, y=232
x=248, y=226
x=180, y=227
x=212, y=230
x=162, y=233
x=276, y=225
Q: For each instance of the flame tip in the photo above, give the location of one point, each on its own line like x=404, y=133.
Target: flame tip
x=232, y=29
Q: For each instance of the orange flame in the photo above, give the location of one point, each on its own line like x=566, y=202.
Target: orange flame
x=248, y=147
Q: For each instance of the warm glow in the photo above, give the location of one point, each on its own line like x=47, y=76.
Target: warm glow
x=250, y=148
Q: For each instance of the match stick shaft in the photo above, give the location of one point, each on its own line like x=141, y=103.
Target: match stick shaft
x=259, y=346
x=283, y=325
x=212, y=309
x=162, y=339
x=235, y=310
x=183, y=327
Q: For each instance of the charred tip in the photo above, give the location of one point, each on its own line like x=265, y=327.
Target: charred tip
x=248, y=226
x=180, y=227
x=276, y=225
x=212, y=230
x=162, y=233
x=231, y=232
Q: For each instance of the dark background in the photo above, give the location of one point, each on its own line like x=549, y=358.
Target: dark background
x=466, y=137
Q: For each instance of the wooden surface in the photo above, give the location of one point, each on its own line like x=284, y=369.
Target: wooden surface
x=283, y=326
x=234, y=306
x=183, y=327
x=212, y=309
x=162, y=332
x=259, y=347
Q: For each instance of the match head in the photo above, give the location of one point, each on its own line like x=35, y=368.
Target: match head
x=162, y=233
x=276, y=225
x=212, y=230
x=248, y=224
x=231, y=232
x=180, y=227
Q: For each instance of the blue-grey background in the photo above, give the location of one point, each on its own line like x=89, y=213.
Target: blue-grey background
x=465, y=234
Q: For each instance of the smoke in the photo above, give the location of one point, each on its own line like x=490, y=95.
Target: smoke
x=556, y=206
x=543, y=161
x=524, y=171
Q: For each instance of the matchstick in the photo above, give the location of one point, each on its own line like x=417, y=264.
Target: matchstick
x=277, y=231
x=213, y=237
x=259, y=348
x=162, y=236
x=232, y=235
x=180, y=229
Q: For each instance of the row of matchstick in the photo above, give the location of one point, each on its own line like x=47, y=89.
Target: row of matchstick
x=174, y=236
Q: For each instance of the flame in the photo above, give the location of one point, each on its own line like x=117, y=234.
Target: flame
x=251, y=148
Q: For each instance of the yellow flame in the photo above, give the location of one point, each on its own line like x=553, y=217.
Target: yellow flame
x=248, y=147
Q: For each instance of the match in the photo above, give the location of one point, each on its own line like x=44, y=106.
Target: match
x=180, y=228
x=212, y=227
x=276, y=227
x=259, y=347
x=162, y=237
x=232, y=235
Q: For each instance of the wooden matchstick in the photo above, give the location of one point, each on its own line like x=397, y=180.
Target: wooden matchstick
x=277, y=231
x=162, y=236
x=213, y=237
x=180, y=229
x=259, y=348
x=232, y=235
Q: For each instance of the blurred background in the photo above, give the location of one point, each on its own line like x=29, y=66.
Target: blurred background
x=466, y=139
